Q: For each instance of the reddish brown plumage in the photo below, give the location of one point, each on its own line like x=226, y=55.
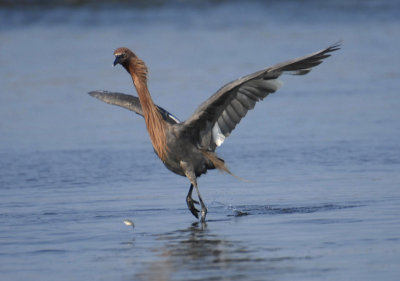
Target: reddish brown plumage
x=154, y=121
x=192, y=143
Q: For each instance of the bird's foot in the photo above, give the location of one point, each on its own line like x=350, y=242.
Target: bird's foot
x=191, y=206
x=203, y=213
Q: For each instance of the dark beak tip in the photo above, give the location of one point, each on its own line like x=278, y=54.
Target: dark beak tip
x=115, y=62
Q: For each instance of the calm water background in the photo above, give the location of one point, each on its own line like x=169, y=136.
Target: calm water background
x=322, y=154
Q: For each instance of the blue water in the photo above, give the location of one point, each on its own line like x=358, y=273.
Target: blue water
x=321, y=156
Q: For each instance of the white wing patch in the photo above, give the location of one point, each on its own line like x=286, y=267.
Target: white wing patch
x=218, y=136
x=174, y=118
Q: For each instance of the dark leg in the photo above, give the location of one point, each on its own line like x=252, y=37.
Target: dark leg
x=203, y=206
x=189, y=173
x=190, y=203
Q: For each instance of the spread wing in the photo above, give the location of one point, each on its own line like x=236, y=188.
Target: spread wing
x=130, y=102
x=215, y=119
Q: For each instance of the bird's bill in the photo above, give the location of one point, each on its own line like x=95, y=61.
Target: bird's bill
x=116, y=61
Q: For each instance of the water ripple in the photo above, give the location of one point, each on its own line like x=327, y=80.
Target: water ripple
x=245, y=210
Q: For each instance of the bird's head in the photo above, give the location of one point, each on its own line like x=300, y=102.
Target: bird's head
x=122, y=56
x=135, y=66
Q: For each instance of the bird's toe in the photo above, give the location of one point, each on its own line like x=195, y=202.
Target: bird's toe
x=194, y=212
x=190, y=203
x=203, y=214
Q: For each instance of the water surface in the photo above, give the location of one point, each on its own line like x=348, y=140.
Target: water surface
x=322, y=155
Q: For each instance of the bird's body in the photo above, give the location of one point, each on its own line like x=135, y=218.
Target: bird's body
x=188, y=148
x=181, y=150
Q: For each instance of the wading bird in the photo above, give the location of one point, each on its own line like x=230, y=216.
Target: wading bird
x=188, y=148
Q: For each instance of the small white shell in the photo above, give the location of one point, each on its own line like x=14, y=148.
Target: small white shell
x=129, y=223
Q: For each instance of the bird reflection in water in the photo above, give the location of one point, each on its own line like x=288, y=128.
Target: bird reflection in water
x=197, y=254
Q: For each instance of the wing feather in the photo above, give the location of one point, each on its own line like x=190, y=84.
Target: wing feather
x=131, y=103
x=225, y=109
x=230, y=111
x=238, y=107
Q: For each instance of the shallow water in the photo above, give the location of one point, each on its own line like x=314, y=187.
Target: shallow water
x=321, y=156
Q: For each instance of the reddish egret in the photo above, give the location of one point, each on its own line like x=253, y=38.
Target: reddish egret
x=188, y=148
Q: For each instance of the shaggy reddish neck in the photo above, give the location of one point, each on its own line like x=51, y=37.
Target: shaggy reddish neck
x=154, y=121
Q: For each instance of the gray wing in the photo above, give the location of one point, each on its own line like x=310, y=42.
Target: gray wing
x=215, y=119
x=130, y=102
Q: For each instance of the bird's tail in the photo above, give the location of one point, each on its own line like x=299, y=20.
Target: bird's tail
x=219, y=164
